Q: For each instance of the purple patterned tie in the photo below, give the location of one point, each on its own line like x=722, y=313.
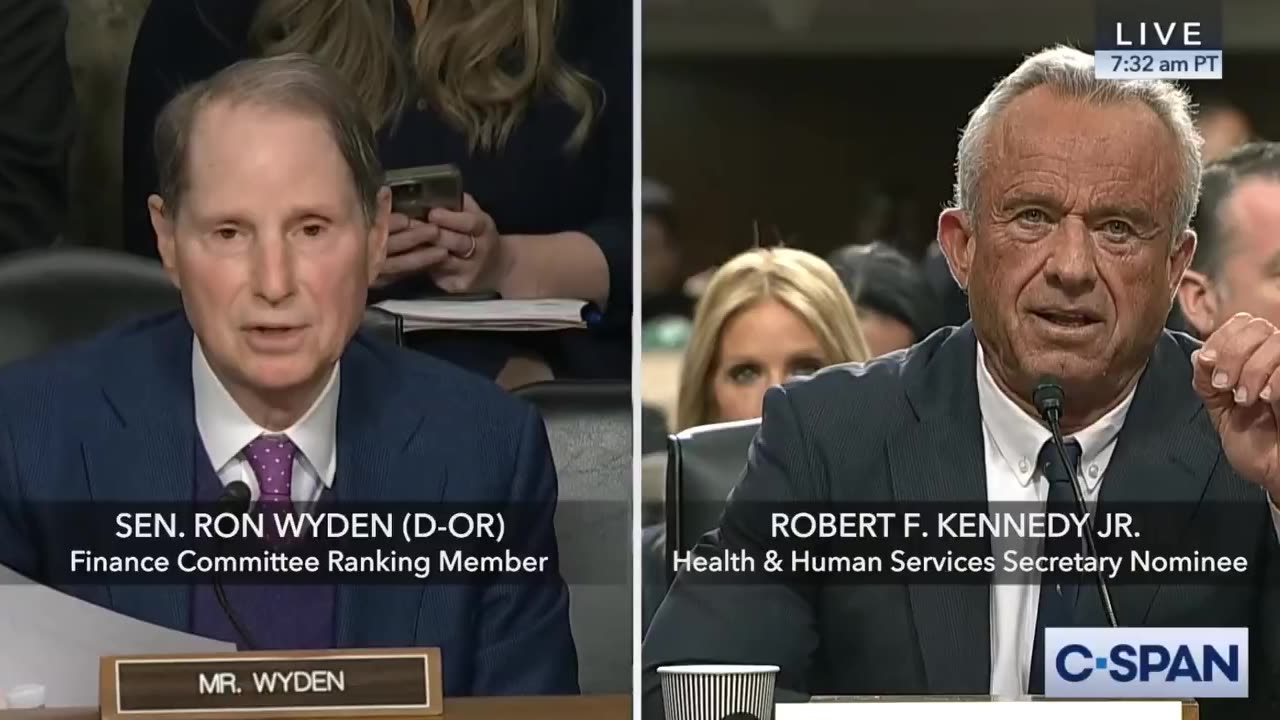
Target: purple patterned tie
x=271, y=457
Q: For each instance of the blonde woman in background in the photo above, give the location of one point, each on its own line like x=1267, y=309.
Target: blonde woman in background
x=767, y=315
x=530, y=98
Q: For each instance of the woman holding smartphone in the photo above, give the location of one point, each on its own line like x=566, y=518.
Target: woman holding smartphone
x=531, y=99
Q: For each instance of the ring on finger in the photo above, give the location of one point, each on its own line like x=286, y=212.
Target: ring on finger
x=471, y=251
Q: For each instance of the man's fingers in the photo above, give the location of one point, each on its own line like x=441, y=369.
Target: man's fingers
x=1257, y=371
x=1271, y=391
x=1215, y=400
x=1201, y=374
x=1230, y=347
x=1219, y=338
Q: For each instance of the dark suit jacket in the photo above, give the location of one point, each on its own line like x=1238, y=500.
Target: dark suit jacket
x=112, y=420
x=37, y=123
x=906, y=428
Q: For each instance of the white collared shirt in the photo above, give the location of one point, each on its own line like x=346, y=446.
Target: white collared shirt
x=226, y=430
x=1012, y=440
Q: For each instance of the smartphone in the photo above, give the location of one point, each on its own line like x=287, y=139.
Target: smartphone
x=417, y=191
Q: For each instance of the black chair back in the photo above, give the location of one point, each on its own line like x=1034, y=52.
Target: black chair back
x=589, y=428
x=56, y=296
x=59, y=295
x=383, y=324
x=703, y=465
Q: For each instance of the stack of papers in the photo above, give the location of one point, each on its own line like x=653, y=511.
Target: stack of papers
x=489, y=315
x=55, y=640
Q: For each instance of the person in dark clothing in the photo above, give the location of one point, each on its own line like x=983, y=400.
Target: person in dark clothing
x=662, y=282
x=37, y=123
x=896, y=307
x=531, y=99
x=953, y=301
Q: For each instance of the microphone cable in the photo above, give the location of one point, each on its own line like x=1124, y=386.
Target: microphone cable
x=1049, y=399
x=235, y=500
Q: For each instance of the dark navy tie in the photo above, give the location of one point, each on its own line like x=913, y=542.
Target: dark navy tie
x=1058, y=591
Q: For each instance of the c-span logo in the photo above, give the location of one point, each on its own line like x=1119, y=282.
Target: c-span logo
x=1146, y=662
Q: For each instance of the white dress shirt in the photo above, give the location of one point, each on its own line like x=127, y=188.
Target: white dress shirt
x=1012, y=440
x=226, y=430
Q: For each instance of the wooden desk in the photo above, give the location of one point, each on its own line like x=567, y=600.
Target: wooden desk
x=586, y=707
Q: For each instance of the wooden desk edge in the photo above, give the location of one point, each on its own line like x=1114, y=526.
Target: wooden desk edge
x=572, y=707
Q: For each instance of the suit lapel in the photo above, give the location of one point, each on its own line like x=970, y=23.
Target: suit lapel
x=1164, y=457
x=385, y=456
x=939, y=459
x=141, y=460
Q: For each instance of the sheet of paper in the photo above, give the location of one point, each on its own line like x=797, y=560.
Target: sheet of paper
x=55, y=640
x=967, y=710
x=491, y=315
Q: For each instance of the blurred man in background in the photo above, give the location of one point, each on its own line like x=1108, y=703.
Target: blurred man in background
x=662, y=281
x=1224, y=128
x=1237, y=263
x=37, y=123
x=952, y=301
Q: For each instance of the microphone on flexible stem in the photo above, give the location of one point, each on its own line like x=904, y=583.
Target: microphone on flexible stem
x=235, y=500
x=1049, y=399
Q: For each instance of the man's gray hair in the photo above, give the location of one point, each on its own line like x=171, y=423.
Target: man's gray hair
x=1071, y=72
x=292, y=81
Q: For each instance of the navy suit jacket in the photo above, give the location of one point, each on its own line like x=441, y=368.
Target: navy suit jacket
x=112, y=420
x=907, y=428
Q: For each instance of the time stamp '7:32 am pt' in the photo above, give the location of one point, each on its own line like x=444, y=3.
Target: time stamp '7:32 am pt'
x=1158, y=64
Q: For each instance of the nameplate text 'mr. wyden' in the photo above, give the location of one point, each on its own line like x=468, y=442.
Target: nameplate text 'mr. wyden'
x=273, y=685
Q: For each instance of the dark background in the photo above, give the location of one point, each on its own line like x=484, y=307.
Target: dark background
x=844, y=129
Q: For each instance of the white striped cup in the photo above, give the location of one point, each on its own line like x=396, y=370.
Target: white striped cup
x=716, y=692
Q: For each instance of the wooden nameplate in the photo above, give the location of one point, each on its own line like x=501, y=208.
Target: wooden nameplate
x=272, y=685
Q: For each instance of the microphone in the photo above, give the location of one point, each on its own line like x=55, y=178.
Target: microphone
x=1049, y=399
x=235, y=500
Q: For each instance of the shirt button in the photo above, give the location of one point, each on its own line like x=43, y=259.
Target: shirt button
x=1023, y=466
x=1093, y=471
x=422, y=104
